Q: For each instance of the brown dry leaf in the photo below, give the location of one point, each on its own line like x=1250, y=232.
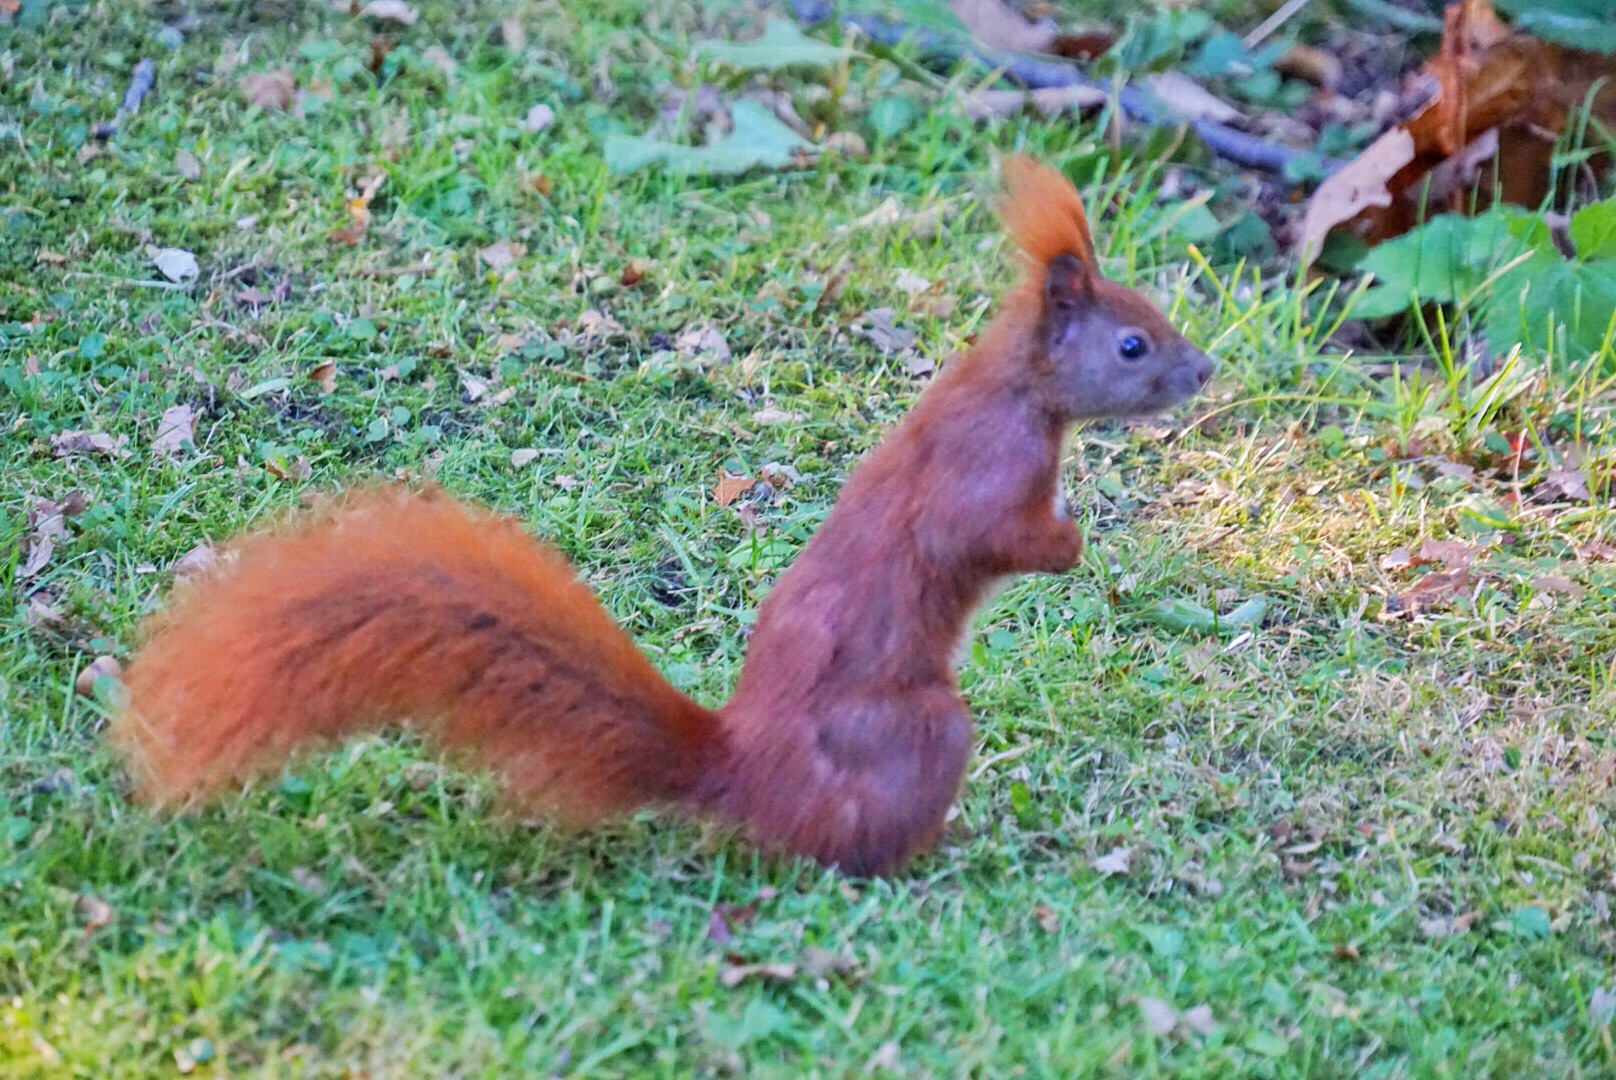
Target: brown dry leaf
x=731, y=487
x=1434, y=590
x=47, y=523
x=186, y=164
x=1597, y=551
x=1565, y=483
x=325, y=375
x=999, y=26
x=359, y=212
x=1310, y=64
x=1159, y=1016
x=501, y=254
x=395, y=11
x=97, y=912
x=1049, y=101
x=68, y=443
x=818, y=963
x=297, y=468
x=175, y=431
x=473, y=386
x=1115, y=862
x=732, y=975
x=96, y=672
x=538, y=182
x=1553, y=583
x=194, y=562
x=1359, y=185
x=703, y=340
x=523, y=457
x=1497, y=89
x=1048, y=921
x=269, y=89
x=923, y=224
x=1188, y=99
x=885, y=335
x=723, y=920
x=1450, y=553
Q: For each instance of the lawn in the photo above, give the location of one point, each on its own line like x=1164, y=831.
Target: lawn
x=1365, y=831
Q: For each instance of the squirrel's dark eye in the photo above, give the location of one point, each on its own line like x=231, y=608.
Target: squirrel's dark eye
x=1133, y=346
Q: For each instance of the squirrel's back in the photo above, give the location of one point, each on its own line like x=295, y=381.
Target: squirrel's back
x=397, y=606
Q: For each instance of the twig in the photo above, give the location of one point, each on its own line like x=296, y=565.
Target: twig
x=1041, y=73
x=1401, y=18
x=140, y=84
x=1279, y=18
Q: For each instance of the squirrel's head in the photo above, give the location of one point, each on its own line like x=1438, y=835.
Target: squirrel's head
x=1104, y=349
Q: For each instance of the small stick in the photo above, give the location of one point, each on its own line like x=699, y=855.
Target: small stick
x=140, y=84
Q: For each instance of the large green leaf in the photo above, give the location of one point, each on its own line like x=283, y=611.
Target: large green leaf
x=782, y=45
x=1547, y=297
x=757, y=140
x=1582, y=24
x=1593, y=230
x=1444, y=260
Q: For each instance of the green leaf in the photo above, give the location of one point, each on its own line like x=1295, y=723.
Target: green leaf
x=1593, y=230
x=1548, y=302
x=1531, y=922
x=891, y=115
x=1589, y=25
x=782, y=45
x=1444, y=260
x=757, y=140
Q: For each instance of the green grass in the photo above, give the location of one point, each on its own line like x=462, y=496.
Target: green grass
x=1370, y=845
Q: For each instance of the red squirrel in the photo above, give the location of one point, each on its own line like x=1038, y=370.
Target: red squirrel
x=846, y=739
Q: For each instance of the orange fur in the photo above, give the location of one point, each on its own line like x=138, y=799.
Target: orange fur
x=1043, y=214
x=391, y=606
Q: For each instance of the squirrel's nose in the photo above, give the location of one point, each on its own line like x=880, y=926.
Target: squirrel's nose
x=1203, y=368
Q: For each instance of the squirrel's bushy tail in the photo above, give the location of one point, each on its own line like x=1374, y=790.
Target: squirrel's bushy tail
x=396, y=606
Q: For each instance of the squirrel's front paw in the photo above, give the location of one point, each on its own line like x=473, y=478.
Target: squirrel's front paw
x=1061, y=550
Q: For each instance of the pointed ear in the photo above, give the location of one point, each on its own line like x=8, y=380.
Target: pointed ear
x=1068, y=288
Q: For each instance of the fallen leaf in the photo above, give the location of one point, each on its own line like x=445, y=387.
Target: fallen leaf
x=910, y=282
x=773, y=414
x=724, y=918
x=923, y=224
x=1159, y=1016
x=818, y=962
x=846, y=143
x=1553, y=583
x=598, y=324
x=186, y=164
x=359, y=212
x=68, y=443
x=325, y=375
x=539, y=183
x=1601, y=1005
x=47, y=523
x=176, y=264
x=731, y=487
x=501, y=254
x=782, y=44
x=1357, y=186
x=526, y=456
x=538, y=118
x=175, y=431
x=884, y=1058
x=885, y=335
x=1198, y=1019
x=439, y=57
x=1434, y=590
x=1597, y=552
x=703, y=340
x=757, y=139
x=396, y=11
x=97, y=912
x=97, y=673
x=999, y=26
x=1567, y=483
x=474, y=387
x=194, y=562
x=1397, y=559
x=269, y=89
x=732, y=975
x=1450, y=553
x=1188, y=99
x=1115, y=862
x=1048, y=921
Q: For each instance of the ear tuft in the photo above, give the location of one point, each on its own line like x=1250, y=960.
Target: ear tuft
x=1043, y=214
